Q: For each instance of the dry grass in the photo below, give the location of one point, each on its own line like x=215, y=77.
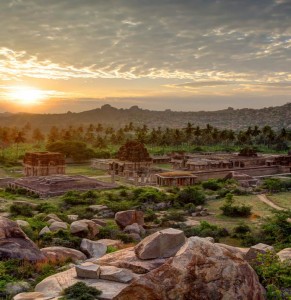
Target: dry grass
x=281, y=199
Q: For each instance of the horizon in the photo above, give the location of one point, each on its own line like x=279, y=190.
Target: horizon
x=60, y=56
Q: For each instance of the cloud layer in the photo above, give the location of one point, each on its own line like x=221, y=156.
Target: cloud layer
x=201, y=46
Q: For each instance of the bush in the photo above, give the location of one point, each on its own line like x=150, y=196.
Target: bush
x=274, y=275
x=191, y=195
x=241, y=230
x=61, y=238
x=150, y=216
x=81, y=291
x=177, y=216
x=205, y=229
x=211, y=184
x=21, y=210
x=231, y=210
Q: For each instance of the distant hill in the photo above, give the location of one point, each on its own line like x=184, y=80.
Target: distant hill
x=277, y=117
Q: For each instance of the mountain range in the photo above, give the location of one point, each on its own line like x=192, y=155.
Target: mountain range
x=277, y=117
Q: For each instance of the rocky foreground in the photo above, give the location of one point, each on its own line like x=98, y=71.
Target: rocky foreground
x=164, y=265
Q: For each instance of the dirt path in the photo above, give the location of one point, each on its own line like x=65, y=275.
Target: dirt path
x=267, y=201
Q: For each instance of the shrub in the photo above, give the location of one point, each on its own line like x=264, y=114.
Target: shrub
x=47, y=208
x=274, y=275
x=150, y=215
x=231, y=210
x=177, y=216
x=205, y=229
x=81, y=291
x=21, y=210
x=241, y=230
x=191, y=195
x=211, y=184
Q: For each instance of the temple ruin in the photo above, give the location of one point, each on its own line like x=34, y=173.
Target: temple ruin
x=55, y=185
x=43, y=163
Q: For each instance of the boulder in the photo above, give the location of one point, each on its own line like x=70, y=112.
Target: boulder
x=88, y=270
x=127, y=259
x=44, y=231
x=251, y=255
x=56, y=226
x=199, y=270
x=29, y=296
x=22, y=223
x=135, y=237
x=116, y=274
x=285, y=254
x=92, y=248
x=73, y=218
x=84, y=228
x=52, y=217
x=128, y=217
x=62, y=254
x=99, y=222
x=14, y=243
x=109, y=242
x=134, y=228
x=161, y=244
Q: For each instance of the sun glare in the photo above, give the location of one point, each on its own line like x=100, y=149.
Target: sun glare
x=26, y=95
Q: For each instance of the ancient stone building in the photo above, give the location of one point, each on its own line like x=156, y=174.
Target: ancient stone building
x=43, y=163
x=177, y=178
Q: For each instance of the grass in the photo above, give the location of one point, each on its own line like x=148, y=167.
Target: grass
x=259, y=210
x=83, y=169
x=281, y=199
x=163, y=166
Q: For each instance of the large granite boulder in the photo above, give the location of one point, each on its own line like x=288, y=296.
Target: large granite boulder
x=260, y=248
x=29, y=296
x=52, y=217
x=285, y=254
x=116, y=274
x=128, y=217
x=62, y=254
x=199, y=270
x=127, y=259
x=84, y=228
x=134, y=228
x=14, y=243
x=53, y=286
x=161, y=244
x=92, y=248
x=88, y=270
x=56, y=226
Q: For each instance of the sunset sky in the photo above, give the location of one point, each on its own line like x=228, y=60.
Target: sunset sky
x=60, y=55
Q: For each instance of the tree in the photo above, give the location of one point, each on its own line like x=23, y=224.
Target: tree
x=37, y=135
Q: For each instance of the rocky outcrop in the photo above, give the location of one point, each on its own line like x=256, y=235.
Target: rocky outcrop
x=54, y=285
x=260, y=248
x=88, y=270
x=15, y=244
x=29, y=296
x=92, y=248
x=116, y=274
x=127, y=259
x=62, y=254
x=84, y=228
x=284, y=254
x=128, y=217
x=199, y=270
x=161, y=244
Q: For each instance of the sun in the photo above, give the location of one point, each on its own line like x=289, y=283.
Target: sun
x=26, y=95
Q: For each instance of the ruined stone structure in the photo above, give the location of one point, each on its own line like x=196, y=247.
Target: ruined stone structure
x=49, y=186
x=175, y=179
x=43, y=163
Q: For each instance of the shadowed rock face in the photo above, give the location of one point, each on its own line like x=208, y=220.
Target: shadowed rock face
x=200, y=270
x=14, y=244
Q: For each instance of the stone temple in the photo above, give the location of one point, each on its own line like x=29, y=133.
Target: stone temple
x=43, y=163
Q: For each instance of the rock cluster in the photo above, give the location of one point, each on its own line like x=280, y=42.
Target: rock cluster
x=163, y=266
x=200, y=211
